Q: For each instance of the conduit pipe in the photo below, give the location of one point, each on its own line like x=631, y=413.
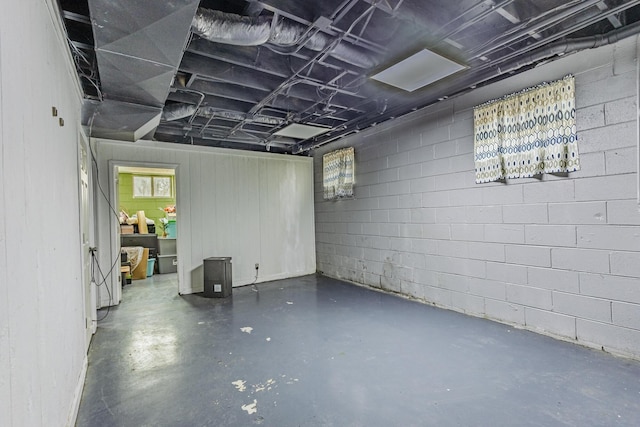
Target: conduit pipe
x=569, y=46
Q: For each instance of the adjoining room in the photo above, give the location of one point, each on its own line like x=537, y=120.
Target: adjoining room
x=146, y=196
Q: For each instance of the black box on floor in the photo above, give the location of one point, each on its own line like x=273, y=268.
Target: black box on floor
x=217, y=277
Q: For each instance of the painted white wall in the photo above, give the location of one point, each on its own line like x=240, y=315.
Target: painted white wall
x=42, y=357
x=560, y=256
x=253, y=207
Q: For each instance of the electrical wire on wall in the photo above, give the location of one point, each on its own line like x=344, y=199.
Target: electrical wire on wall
x=92, y=77
x=255, y=279
x=94, y=264
x=94, y=259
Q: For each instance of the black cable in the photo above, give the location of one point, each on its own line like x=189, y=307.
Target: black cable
x=112, y=209
x=94, y=263
x=108, y=292
x=253, y=284
x=104, y=195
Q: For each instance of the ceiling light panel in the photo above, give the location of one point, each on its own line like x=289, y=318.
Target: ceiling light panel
x=299, y=131
x=418, y=70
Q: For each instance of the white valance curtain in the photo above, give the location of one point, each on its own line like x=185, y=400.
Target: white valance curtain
x=527, y=133
x=338, y=173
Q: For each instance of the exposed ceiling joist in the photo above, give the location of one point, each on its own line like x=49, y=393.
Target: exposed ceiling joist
x=235, y=73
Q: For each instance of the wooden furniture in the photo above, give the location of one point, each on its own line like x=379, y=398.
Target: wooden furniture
x=145, y=240
x=148, y=241
x=125, y=270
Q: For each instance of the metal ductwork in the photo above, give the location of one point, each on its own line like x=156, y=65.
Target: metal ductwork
x=137, y=61
x=229, y=28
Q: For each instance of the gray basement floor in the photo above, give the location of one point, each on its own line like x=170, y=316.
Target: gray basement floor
x=326, y=353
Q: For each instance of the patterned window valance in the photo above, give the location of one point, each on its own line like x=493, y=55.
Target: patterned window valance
x=338, y=173
x=527, y=133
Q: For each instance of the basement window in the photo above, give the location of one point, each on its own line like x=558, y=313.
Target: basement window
x=527, y=133
x=161, y=186
x=338, y=174
x=152, y=186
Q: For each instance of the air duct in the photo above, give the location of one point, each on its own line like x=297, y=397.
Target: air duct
x=240, y=117
x=229, y=28
x=173, y=112
x=137, y=62
x=179, y=111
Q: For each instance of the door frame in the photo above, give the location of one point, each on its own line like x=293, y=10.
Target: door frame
x=114, y=224
x=86, y=234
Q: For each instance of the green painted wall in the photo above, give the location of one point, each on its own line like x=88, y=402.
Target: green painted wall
x=150, y=205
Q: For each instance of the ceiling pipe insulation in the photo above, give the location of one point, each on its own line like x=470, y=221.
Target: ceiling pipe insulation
x=467, y=83
x=179, y=111
x=229, y=28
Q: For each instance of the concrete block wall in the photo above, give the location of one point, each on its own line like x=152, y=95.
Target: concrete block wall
x=559, y=255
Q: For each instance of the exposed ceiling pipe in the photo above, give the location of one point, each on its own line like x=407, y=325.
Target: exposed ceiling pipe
x=232, y=115
x=292, y=79
x=464, y=83
x=573, y=45
x=507, y=38
x=179, y=111
x=173, y=112
x=547, y=41
x=229, y=28
x=459, y=28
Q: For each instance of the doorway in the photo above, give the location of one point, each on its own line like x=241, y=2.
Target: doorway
x=86, y=237
x=146, y=229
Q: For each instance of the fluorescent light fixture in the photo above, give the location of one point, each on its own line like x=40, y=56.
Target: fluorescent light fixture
x=298, y=131
x=418, y=70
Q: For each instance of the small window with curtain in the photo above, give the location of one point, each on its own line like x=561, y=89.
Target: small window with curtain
x=338, y=174
x=527, y=133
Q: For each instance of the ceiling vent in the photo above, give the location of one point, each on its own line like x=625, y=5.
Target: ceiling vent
x=299, y=131
x=419, y=70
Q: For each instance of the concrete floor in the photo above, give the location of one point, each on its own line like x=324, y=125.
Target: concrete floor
x=327, y=353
